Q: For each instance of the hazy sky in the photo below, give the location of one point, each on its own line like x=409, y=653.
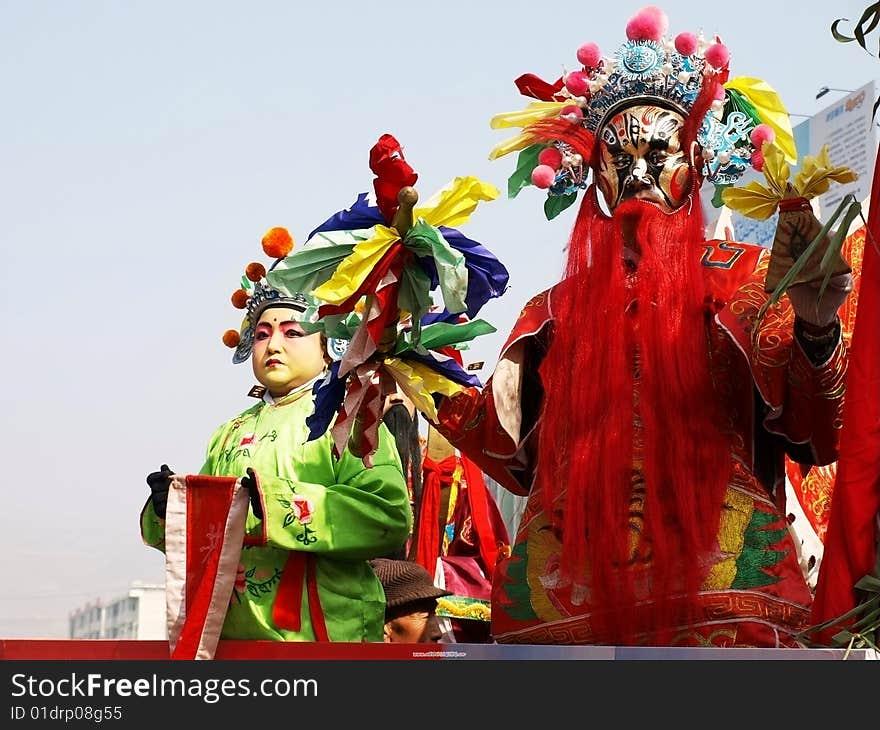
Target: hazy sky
x=147, y=145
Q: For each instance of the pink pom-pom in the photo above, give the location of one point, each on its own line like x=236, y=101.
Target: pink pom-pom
x=543, y=176
x=649, y=24
x=577, y=82
x=717, y=55
x=572, y=112
x=551, y=157
x=762, y=133
x=686, y=44
x=589, y=55
x=758, y=160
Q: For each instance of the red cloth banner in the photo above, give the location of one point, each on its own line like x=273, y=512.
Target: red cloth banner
x=204, y=531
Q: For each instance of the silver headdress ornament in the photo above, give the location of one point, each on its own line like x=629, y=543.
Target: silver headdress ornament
x=263, y=297
x=638, y=69
x=256, y=295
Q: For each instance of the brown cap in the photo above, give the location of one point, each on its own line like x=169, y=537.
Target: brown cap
x=405, y=582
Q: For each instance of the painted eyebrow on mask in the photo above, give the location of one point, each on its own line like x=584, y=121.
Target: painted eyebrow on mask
x=285, y=323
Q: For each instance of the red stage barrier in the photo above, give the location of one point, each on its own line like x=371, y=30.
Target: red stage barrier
x=97, y=649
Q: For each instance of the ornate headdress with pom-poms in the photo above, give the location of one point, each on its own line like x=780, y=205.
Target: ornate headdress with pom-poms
x=729, y=119
x=256, y=295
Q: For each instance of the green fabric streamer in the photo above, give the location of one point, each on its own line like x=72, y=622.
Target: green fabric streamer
x=414, y=296
x=423, y=239
x=738, y=103
x=312, y=265
x=443, y=334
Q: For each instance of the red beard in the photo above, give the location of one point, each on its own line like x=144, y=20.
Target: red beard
x=622, y=342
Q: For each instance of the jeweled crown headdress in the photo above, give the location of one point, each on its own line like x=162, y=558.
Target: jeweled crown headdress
x=730, y=119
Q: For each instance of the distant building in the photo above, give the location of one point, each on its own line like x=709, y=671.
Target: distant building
x=140, y=614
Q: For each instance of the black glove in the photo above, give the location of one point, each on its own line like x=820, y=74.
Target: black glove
x=249, y=482
x=159, y=481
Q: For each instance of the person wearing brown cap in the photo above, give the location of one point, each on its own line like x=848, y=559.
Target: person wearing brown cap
x=410, y=602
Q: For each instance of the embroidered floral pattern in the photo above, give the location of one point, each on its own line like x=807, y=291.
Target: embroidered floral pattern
x=257, y=582
x=299, y=508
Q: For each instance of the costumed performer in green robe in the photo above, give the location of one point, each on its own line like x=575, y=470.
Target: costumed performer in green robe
x=315, y=517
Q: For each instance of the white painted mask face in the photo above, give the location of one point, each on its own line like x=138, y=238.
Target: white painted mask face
x=641, y=157
x=284, y=356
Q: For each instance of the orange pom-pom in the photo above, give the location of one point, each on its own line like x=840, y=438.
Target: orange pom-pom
x=231, y=338
x=255, y=271
x=277, y=243
x=239, y=299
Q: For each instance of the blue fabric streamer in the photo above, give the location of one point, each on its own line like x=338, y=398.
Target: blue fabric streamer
x=359, y=216
x=487, y=276
x=329, y=394
x=448, y=368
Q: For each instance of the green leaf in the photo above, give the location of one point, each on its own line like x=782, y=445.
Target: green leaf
x=868, y=583
x=522, y=176
x=288, y=518
x=869, y=621
x=837, y=35
x=867, y=23
x=836, y=243
x=842, y=637
x=555, y=204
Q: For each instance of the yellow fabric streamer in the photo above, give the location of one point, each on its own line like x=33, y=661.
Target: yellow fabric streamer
x=454, y=205
x=771, y=110
x=418, y=382
x=532, y=113
x=524, y=117
x=451, y=207
x=514, y=144
x=355, y=267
